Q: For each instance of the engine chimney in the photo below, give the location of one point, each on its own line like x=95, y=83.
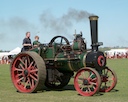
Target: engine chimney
x=94, y=32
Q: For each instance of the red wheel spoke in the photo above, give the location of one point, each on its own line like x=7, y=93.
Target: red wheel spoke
x=90, y=77
x=20, y=79
x=21, y=61
x=33, y=77
x=92, y=83
x=32, y=85
x=30, y=65
x=29, y=81
x=21, y=66
x=26, y=63
x=26, y=84
x=80, y=79
x=94, y=79
x=94, y=87
x=34, y=65
x=83, y=74
x=25, y=79
x=89, y=90
x=18, y=75
x=105, y=85
x=35, y=74
x=28, y=59
x=81, y=86
x=110, y=78
x=17, y=69
x=34, y=70
x=106, y=72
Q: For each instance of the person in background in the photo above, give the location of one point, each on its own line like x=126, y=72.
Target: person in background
x=36, y=42
x=26, y=42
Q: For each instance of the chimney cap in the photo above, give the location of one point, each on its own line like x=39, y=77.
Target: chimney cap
x=93, y=17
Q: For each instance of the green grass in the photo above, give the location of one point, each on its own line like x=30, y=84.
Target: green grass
x=119, y=94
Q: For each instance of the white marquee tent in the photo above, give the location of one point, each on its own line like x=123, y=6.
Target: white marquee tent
x=12, y=52
x=15, y=51
x=113, y=52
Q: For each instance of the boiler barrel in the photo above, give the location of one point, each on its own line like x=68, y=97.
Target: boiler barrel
x=66, y=64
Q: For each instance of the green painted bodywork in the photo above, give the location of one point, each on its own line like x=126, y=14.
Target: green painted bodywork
x=49, y=53
x=37, y=50
x=76, y=46
x=64, y=63
x=61, y=61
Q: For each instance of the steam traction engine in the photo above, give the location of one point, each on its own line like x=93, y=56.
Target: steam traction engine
x=54, y=64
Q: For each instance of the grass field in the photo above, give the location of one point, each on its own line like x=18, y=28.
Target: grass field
x=119, y=94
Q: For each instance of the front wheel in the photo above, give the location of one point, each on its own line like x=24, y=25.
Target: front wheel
x=87, y=81
x=109, y=80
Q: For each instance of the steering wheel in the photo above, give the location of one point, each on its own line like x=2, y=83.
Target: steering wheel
x=61, y=41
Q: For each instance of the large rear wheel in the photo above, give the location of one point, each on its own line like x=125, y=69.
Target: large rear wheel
x=28, y=72
x=87, y=81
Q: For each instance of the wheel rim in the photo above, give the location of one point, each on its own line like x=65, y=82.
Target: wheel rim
x=109, y=80
x=87, y=82
x=62, y=38
x=26, y=72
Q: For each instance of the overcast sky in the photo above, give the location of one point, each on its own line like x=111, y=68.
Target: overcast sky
x=48, y=18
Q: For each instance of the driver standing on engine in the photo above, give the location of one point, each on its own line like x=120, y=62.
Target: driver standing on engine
x=26, y=42
x=36, y=42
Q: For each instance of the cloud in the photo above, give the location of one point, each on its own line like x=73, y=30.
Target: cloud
x=63, y=24
x=14, y=28
x=12, y=32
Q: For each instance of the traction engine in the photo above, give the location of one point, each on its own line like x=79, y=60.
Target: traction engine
x=54, y=64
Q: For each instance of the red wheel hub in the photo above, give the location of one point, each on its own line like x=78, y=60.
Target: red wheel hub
x=26, y=73
x=104, y=78
x=85, y=82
